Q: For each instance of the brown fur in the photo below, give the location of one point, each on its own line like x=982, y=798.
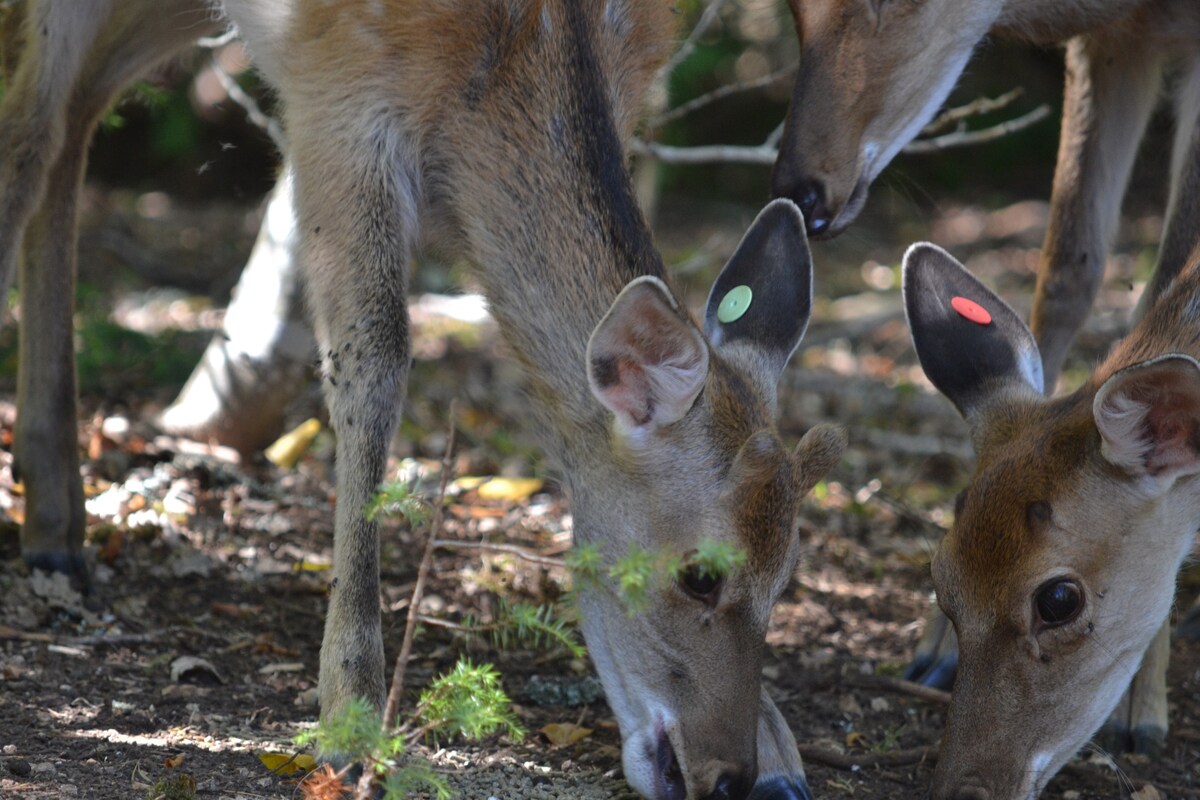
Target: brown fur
x=1024, y=691
x=493, y=131
x=868, y=81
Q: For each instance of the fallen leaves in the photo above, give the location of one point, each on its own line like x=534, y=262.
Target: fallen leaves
x=288, y=764
x=563, y=734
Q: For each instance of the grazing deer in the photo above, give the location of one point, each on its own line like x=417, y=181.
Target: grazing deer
x=1059, y=571
x=873, y=72
x=492, y=129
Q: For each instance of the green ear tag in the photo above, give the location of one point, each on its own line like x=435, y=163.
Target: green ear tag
x=735, y=303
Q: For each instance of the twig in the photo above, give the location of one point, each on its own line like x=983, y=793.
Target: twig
x=519, y=552
x=393, y=702
x=766, y=153
x=848, y=761
x=253, y=112
x=965, y=138
x=901, y=686
x=689, y=44
x=719, y=93
x=975, y=108
x=213, y=42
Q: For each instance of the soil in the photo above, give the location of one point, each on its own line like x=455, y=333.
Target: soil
x=198, y=555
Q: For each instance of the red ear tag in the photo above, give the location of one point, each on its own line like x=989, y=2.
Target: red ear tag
x=969, y=309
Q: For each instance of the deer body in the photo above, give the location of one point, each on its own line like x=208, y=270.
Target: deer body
x=494, y=131
x=1059, y=571
x=874, y=71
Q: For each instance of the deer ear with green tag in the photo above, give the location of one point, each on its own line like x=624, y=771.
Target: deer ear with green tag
x=762, y=300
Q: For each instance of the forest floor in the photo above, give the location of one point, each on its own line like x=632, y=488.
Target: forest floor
x=198, y=555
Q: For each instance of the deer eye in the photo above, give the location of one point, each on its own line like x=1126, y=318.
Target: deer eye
x=700, y=583
x=1058, y=602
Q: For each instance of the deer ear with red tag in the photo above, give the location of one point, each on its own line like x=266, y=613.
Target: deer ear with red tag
x=970, y=342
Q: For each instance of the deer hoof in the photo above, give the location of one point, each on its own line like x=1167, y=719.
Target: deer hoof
x=1112, y=738
x=779, y=787
x=1149, y=740
x=1189, y=626
x=937, y=672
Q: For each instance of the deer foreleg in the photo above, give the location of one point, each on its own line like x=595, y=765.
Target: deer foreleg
x=1111, y=87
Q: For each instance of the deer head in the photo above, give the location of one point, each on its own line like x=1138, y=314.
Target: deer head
x=1060, y=566
x=695, y=460
x=872, y=73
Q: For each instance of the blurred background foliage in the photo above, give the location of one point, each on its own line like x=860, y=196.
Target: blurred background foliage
x=179, y=133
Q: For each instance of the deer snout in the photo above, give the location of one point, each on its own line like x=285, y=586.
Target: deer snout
x=809, y=194
x=733, y=786
x=731, y=783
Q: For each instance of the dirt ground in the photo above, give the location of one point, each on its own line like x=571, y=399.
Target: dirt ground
x=198, y=556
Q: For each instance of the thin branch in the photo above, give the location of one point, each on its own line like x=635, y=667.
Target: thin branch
x=849, y=761
x=901, y=686
x=689, y=44
x=519, y=552
x=719, y=93
x=979, y=106
x=706, y=154
x=766, y=153
x=435, y=526
x=213, y=42
x=966, y=138
x=253, y=112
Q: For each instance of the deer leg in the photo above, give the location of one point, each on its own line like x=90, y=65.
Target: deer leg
x=1189, y=626
x=936, y=660
x=239, y=392
x=1111, y=85
x=1139, y=722
x=356, y=204
x=1182, y=235
x=45, y=441
x=780, y=771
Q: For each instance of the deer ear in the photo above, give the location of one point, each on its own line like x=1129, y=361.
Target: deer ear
x=763, y=296
x=1148, y=416
x=970, y=342
x=646, y=360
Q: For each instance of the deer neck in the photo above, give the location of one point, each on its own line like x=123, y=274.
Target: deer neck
x=541, y=191
x=1053, y=21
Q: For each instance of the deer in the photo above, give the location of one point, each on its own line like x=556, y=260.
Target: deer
x=873, y=72
x=1058, y=573
x=493, y=131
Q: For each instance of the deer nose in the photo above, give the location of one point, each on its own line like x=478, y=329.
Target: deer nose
x=732, y=786
x=809, y=195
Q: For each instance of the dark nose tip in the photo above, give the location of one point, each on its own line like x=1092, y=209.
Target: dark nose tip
x=809, y=195
x=732, y=786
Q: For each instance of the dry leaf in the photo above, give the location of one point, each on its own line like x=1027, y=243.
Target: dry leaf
x=287, y=449
x=1147, y=792
x=856, y=739
x=324, y=785
x=511, y=489
x=272, y=669
x=172, y=762
x=561, y=734
x=284, y=764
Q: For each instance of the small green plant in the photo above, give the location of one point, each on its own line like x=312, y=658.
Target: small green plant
x=397, y=498
x=178, y=787
x=532, y=626
x=467, y=701
x=716, y=557
x=635, y=573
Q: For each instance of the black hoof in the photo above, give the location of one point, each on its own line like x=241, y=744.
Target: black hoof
x=70, y=564
x=1149, y=740
x=1189, y=626
x=1112, y=738
x=937, y=674
x=779, y=787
